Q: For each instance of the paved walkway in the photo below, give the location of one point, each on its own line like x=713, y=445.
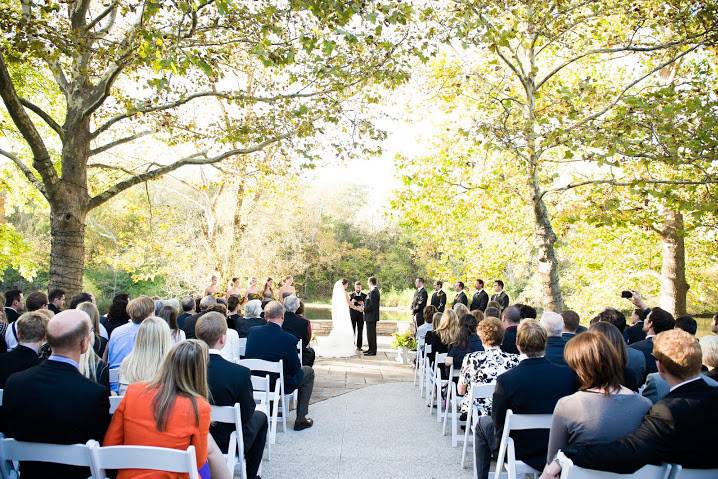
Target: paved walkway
x=381, y=431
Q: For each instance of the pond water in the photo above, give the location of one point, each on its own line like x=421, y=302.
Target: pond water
x=324, y=311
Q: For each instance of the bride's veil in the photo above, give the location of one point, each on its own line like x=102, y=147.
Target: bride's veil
x=340, y=309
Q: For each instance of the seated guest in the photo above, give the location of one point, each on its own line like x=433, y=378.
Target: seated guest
x=14, y=304
x=466, y=342
x=428, y=316
x=117, y=315
x=299, y=327
x=94, y=368
x=709, y=348
x=571, y=324
x=30, y=329
x=532, y=387
x=510, y=320
x=100, y=343
x=635, y=360
x=442, y=336
x=36, y=300
x=170, y=411
x=553, y=324
x=687, y=323
x=461, y=310
x=53, y=403
x=81, y=298
x=233, y=311
x=272, y=343
x=230, y=351
x=231, y=383
x=630, y=378
x=169, y=314
x=205, y=304
x=657, y=321
x=492, y=312
x=56, y=300
x=252, y=317
x=681, y=429
x=123, y=337
x=187, y=306
x=602, y=410
x=152, y=343
x=527, y=312
x=483, y=367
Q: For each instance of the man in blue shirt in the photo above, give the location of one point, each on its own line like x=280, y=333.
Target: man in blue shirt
x=123, y=337
x=271, y=343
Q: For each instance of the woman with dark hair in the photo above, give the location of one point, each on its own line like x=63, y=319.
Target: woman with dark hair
x=117, y=315
x=614, y=336
x=268, y=291
x=233, y=313
x=602, y=410
x=170, y=411
x=466, y=342
x=169, y=314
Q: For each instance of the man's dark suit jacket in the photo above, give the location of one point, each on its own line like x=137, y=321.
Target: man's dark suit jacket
x=418, y=304
x=460, y=298
x=502, y=298
x=635, y=333
x=54, y=308
x=554, y=350
x=11, y=314
x=299, y=327
x=229, y=383
x=19, y=359
x=243, y=325
x=479, y=301
x=189, y=324
x=646, y=347
x=182, y=318
x=681, y=429
x=371, y=306
x=438, y=300
x=532, y=387
x=271, y=343
x=508, y=344
x=52, y=402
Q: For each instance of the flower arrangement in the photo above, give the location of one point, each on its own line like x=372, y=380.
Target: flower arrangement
x=405, y=340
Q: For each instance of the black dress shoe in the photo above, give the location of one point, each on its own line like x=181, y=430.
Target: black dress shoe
x=301, y=424
x=368, y=353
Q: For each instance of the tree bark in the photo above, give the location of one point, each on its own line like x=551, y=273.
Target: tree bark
x=545, y=244
x=674, y=287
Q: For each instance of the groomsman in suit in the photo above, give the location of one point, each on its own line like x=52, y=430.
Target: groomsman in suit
x=460, y=294
x=500, y=297
x=481, y=298
x=14, y=304
x=419, y=302
x=371, y=315
x=438, y=299
x=356, y=300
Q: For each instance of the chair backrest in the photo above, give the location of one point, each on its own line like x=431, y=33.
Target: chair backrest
x=518, y=422
x=145, y=457
x=115, y=403
x=299, y=352
x=262, y=365
x=482, y=391
x=114, y=376
x=70, y=454
x=677, y=472
x=228, y=415
x=427, y=348
x=439, y=358
x=571, y=471
x=242, y=346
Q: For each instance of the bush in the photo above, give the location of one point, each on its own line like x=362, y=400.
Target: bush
x=405, y=340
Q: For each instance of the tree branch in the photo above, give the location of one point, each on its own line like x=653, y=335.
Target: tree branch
x=26, y=171
x=112, y=144
x=45, y=116
x=41, y=157
x=635, y=182
x=195, y=159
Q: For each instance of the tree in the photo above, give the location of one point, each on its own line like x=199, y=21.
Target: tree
x=128, y=68
x=550, y=70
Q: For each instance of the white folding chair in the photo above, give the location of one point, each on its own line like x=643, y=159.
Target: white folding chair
x=242, y=347
x=452, y=408
x=235, y=452
x=15, y=451
x=477, y=391
x=143, y=457
x=419, y=365
x=570, y=471
x=295, y=393
x=677, y=472
x=435, y=384
x=276, y=395
x=262, y=390
x=425, y=369
x=1, y=394
x=439, y=384
x=115, y=376
x=517, y=422
x=115, y=403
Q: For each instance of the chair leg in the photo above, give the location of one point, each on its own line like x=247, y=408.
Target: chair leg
x=284, y=414
x=469, y=423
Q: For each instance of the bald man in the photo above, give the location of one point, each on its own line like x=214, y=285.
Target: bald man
x=52, y=402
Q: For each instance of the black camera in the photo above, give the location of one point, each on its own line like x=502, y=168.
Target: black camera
x=626, y=294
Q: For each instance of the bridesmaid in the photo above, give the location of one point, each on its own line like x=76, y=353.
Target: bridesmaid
x=287, y=288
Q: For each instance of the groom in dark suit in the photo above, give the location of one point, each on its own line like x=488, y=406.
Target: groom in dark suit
x=371, y=315
x=419, y=302
x=481, y=298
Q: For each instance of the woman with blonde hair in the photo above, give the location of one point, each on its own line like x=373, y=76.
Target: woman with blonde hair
x=91, y=364
x=172, y=411
x=152, y=343
x=100, y=344
x=443, y=335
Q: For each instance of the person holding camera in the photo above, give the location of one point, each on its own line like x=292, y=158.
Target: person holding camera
x=635, y=333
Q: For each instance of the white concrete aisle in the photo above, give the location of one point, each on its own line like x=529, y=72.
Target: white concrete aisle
x=377, y=432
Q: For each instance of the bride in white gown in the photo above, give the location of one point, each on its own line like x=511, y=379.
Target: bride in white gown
x=340, y=342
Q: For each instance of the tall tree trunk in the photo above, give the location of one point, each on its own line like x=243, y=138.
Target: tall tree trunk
x=674, y=288
x=545, y=244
